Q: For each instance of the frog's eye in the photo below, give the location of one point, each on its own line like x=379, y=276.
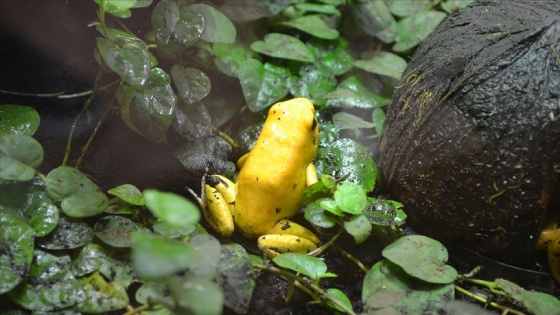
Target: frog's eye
x=314, y=125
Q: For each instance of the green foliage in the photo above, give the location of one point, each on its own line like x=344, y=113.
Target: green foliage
x=15, y=119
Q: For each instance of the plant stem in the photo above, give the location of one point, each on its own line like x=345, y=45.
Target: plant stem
x=506, y=310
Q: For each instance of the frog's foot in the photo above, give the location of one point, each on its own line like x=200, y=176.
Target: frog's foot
x=550, y=240
x=285, y=237
x=219, y=200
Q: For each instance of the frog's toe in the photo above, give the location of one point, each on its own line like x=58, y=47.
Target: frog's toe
x=554, y=259
x=275, y=244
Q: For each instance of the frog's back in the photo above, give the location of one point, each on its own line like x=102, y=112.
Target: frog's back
x=273, y=177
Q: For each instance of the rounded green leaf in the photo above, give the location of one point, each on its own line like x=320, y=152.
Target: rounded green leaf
x=16, y=119
x=84, y=204
x=102, y=296
x=208, y=250
x=155, y=256
x=128, y=193
x=383, y=63
x=262, y=85
x=359, y=227
x=217, y=27
x=172, y=231
x=69, y=233
x=19, y=154
x=310, y=266
x=384, y=212
x=48, y=297
x=346, y=157
x=352, y=93
x=537, y=302
x=153, y=290
x=387, y=286
x=313, y=83
x=406, y=8
x=64, y=181
x=115, y=230
x=313, y=25
x=171, y=208
x=284, y=47
x=336, y=295
x=378, y=120
x=192, y=84
x=30, y=202
x=415, y=28
x=316, y=215
x=195, y=295
x=234, y=277
x=421, y=257
x=17, y=251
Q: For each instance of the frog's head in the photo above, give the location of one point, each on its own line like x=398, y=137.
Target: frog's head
x=296, y=117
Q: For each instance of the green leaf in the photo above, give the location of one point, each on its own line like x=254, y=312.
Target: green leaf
x=331, y=55
x=315, y=214
x=262, y=85
x=172, y=231
x=340, y=297
x=537, y=302
x=373, y=17
x=384, y=212
x=84, y=204
x=345, y=120
x=415, y=28
x=171, y=208
x=192, y=121
x=29, y=201
x=451, y=6
x=115, y=230
x=125, y=55
x=217, y=27
x=310, y=266
x=20, y=155
x=192, y=84
x=208, y=250
x=284, y=47
x=16, y=119
x=16, y=238
x=197, y=296
x=175, y=29
x=102, y=296
x=388, y=287
x=156, y=256
x=114, y=265
x=351, y=93
x=68, y=234
x=359, y=227
x=331, y=206
x=128, y=193
x=313, y=25
x=150, y=110
x=230, y=57
x=346, y=157
x=406, y=8
x=350, y=197
x=378, y=120
x=121, y=8
x=250, y=10
x=421, y=257
x=235, y=277
x=383, y=63
x=313, y=83
x=153, y=290
x=197, y=155
x=64, y=181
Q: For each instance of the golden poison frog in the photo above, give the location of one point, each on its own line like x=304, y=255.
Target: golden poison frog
x=271, y=180
x=549, y=240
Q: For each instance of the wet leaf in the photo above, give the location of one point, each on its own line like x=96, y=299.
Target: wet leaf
x=345, y=157
x=384, y=212
x=16, y=119
x=230, y=57
x=313, y=83
x=217, y=27
x=64, y=181
x=128, y=193
x=69, y=233
x=250, y=10
x=114, y=265
x=175, y=29
x=345, y=120
x=373, y=17
x=155, y=256
x=235, y=277
x=196, y=296
x=262, y=85
x=351, y=93
x=17, y=252
x=310, y=266
x=192, y=84
x=20, y=155
x=126, y=55
x=115, y=230
x=149, y=110
x=284, y=47
x=192, y=121
x=383, y=63
x=359, y=227
x=153, y=290
x=313, y=25
x=102, y=296
x=332, y=55
x=171, y=208
x=537, y=302
x=121, y=8
x=84, y=204
x=415, y=28
x=197, y=155
x=29, y=201
x=350, y=197
x=387, y=286
x=430, y=258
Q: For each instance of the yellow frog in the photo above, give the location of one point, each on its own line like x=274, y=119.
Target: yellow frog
x=272, y=178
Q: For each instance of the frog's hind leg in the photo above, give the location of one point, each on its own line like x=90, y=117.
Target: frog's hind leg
x=286, y=236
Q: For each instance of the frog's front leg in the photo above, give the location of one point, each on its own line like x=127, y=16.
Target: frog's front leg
x=550, y=240
x=219, y=198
